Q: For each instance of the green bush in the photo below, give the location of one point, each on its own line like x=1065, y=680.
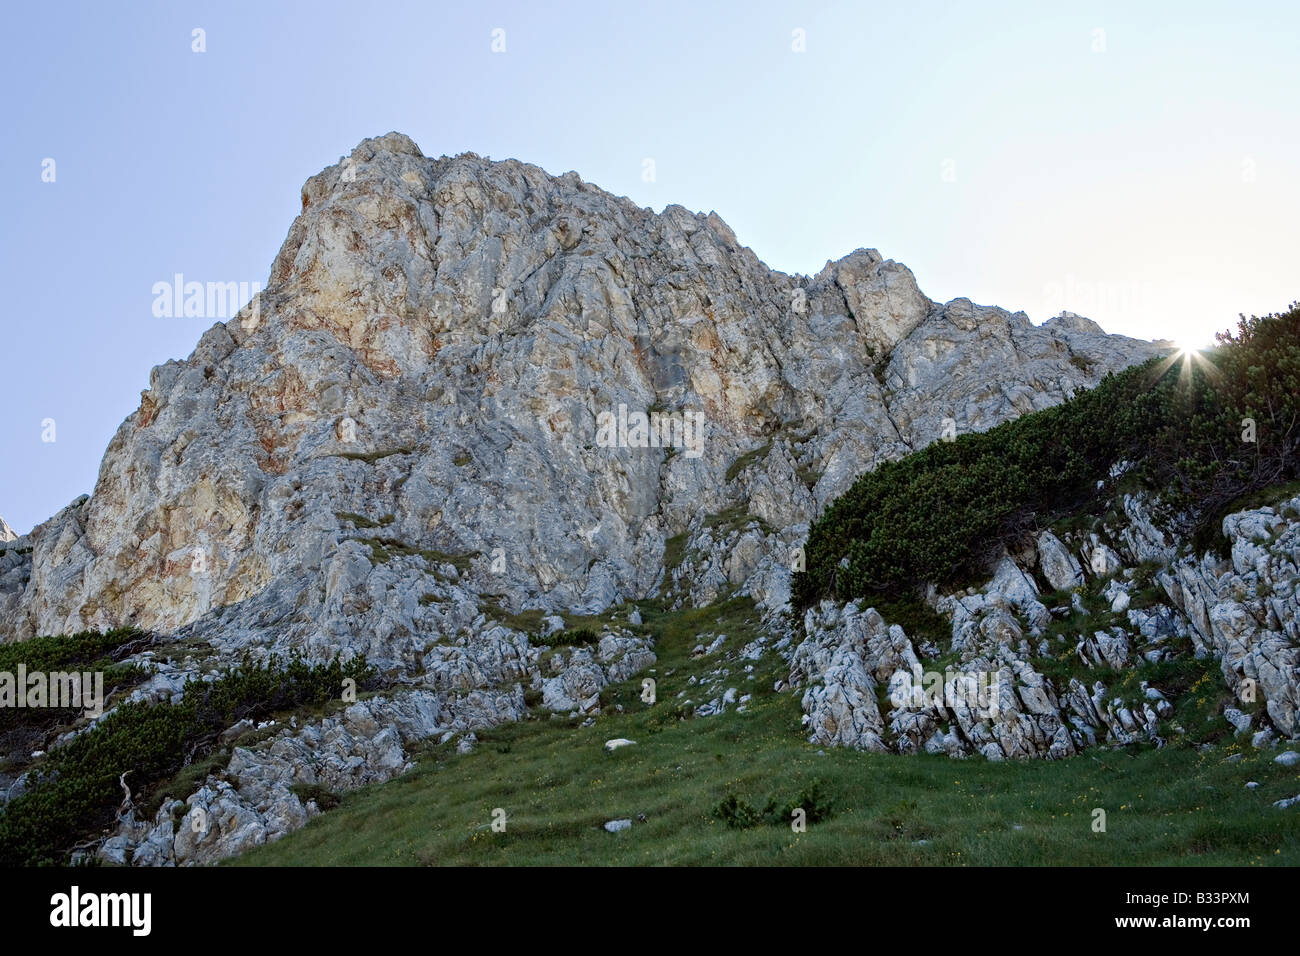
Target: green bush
x=740, y=815
x=325, y=799
x=737, y=814
x=813, y=800
x=68, y=650
x=86, y=651
x=940, y=514
x=77, y=788
x=572, y=638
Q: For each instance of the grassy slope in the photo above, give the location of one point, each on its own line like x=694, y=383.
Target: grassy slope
x=557, y=786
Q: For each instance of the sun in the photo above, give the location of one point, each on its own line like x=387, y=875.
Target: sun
x=1191, y=355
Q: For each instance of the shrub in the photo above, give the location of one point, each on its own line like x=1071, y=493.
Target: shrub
x=578, y=636
x=77, y=788
x=812, y=799
x=939, y=515
x=86, y=651
x=325, y=799
x=68, y=650
x=737, y=814
x=740, y=815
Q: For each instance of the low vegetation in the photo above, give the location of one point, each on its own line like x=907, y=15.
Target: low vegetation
x=24, y=730
x=557, y=788
x=1202, y=431
x=78, y=786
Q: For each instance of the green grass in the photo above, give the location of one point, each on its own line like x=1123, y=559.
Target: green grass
x=1175, y=806
x=735, y=518
x=361, y=521
x=527, y=622
x=674, y=555
x=809, y=475
x=530, y=622
x=383, y=550
x=325, y=799
x=745, y=460
x=370, y=457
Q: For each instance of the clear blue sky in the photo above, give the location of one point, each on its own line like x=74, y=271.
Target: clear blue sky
x=991, y=147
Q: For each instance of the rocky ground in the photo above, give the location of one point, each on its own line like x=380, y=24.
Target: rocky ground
x=1097, y=612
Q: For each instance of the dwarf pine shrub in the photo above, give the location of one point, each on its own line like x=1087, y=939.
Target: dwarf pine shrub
x=1202, y=431
x=76, y=790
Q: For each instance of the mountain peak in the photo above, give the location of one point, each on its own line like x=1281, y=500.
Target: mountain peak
x=438, y=353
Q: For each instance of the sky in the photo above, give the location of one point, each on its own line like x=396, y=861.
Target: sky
x=1135, y=163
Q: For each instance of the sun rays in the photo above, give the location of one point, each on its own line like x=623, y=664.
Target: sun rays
x=1191, y=357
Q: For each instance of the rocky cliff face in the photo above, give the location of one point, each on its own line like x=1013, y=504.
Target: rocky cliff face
x=409, y=417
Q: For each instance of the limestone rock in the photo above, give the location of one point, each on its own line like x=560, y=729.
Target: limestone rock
x=410, y=409
x=1057, y=563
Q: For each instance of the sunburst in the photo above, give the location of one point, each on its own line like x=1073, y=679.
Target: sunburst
x=1188, y=355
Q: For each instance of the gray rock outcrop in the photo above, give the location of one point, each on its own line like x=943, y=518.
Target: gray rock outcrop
x=422, y=382
x=1242, y=612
